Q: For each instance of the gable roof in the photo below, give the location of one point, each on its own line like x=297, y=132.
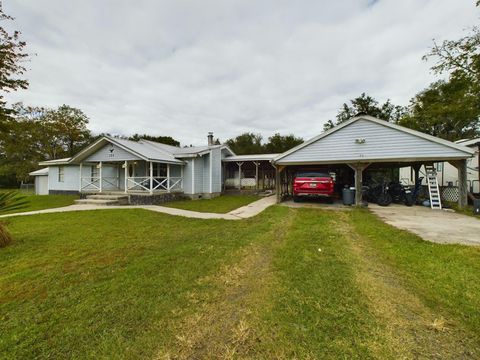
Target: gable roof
x=39, y=172
x=464, y=151
x=143, y=149
x=189, y=151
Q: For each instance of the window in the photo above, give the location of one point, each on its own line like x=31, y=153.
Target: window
x=439, y=166
x=61, y=174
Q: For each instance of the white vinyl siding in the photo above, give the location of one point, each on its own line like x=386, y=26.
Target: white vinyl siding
x=71, y=178
x=199, y=175
x=206, y=173
x=216, y=170
x=111, y=152
x=381, y=143
x=187, y=177
x=41, y=185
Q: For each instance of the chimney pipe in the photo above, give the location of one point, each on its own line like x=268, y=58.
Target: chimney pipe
x=210, y=138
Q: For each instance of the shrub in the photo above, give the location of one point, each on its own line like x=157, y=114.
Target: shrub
x=9, y=201
x=5, y=237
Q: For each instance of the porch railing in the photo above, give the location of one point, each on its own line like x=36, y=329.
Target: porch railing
x=142, y=183
x=92, y=183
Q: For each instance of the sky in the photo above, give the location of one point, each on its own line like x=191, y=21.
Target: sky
x=184, y=68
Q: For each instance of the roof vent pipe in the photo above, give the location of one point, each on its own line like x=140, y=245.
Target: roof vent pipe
x=210, y=138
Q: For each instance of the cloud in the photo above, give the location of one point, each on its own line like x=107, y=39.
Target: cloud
x=183, y=68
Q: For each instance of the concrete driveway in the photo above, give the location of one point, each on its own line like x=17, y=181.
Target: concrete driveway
x=440, y=226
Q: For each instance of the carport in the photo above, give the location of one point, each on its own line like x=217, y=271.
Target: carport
x=365, y=141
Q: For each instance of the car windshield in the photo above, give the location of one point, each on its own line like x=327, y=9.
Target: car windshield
x=309, y=174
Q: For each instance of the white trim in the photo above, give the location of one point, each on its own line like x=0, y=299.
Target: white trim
x=193, y=176
x=362, y=160
x=80, y=184
x=126, y=176
x=380, y=122
x=211, y=171
x=100, y=172
x=151, y=177
x=168, y=177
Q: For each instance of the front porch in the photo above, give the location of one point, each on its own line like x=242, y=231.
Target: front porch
x=130, y=177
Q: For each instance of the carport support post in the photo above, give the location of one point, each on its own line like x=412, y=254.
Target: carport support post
x=416, y=170
x=461, y=166
x=256, y=175
x=278, y=185
x=358, y=168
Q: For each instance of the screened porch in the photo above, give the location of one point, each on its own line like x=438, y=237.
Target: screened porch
x=131, y=176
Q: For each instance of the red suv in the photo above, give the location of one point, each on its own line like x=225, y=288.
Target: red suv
x=312, y=183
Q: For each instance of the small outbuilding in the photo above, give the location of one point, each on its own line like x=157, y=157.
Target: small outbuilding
x=367, y=142
x=41, y=181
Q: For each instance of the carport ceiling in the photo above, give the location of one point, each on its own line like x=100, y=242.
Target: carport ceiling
x=366, y=139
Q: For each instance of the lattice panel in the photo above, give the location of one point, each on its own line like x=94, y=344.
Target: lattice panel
x=450, y=193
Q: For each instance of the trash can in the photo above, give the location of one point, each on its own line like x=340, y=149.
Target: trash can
x=476, y=207
x=348, y=196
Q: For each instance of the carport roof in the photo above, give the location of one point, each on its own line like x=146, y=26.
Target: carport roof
x=367, y=139
x=252, y=157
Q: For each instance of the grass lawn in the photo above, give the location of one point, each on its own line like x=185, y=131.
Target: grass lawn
x=221, y=204
x=39, y=202
x=288, y=283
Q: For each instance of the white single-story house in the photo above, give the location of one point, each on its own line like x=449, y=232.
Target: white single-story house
x=118, y=165
x=447, y=174
x=150, y=172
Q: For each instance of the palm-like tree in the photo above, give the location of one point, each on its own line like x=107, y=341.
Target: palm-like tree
x=9, y=201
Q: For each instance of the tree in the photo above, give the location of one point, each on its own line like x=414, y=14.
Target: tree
x=279, y=144
x=161, y=139
x=460, y=57
x=450, y=109
x=367, y=105
x=20, y=146
x=246, y=143
x=11, y=57
x=36, y=134
x=66, y=128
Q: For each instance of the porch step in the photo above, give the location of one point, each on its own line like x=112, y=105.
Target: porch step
x=104, y=200
x=108, y=197
x=99, y=202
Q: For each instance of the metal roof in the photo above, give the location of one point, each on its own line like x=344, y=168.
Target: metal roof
x=253, y=157
x=143, y=149
x=64, y=161
x=469, y=142
x=40, y=172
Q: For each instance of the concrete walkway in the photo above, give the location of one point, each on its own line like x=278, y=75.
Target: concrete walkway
x=440, y=226
x=243, y=212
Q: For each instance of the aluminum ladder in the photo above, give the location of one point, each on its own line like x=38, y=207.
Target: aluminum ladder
x=433, y=190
